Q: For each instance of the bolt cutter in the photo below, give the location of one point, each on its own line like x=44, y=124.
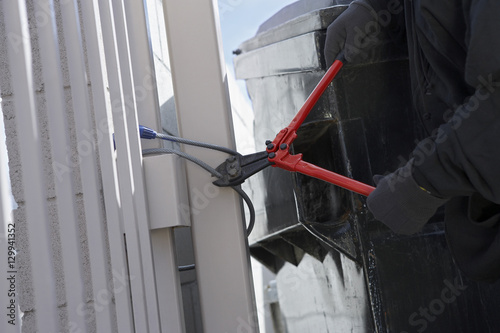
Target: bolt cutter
x=236, y=169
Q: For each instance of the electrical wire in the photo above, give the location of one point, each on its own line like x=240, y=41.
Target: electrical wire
x=148, y=133
x=179, y=153
x=186, y=268
x=250, y=206
x=213, y=172
x=195, y=143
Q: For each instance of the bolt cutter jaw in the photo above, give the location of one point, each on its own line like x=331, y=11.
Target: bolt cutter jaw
x=236, y=169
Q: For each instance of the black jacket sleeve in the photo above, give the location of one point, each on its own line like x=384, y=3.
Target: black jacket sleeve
x=464, y=156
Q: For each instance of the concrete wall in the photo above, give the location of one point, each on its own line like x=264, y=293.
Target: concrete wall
x=326, y=296
x=51, y=173
x=24, y=282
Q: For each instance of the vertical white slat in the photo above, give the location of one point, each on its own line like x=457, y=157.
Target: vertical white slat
x=139, y=195
x=169, y=293
x=37, y=223
x=120, y=106
x=141, y=57
x=169, y=286
x=60, y=148
x=9, y=287
x=200, y=84
x=104, y=128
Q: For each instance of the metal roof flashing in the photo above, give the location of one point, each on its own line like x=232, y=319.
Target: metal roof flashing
x=318, y=19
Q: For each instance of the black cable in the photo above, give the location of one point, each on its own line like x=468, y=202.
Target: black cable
x=195, y=143
x=250, y=206
x=179, y=153
x=186, y=268
x=214, y=173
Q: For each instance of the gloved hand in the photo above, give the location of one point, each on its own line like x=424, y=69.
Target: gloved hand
x=355, y=31
x=400, y=203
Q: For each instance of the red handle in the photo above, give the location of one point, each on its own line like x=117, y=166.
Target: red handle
x=315, y=95
x=289, y=133
x=281, y=157
x=334, y=178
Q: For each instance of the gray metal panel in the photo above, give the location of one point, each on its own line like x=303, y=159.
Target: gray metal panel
x=282, y=58
x=222, y=260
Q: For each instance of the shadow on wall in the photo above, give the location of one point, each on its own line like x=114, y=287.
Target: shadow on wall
x=169, y=121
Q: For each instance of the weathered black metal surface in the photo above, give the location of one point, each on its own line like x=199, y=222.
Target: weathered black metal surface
x=415, y=286
x=363, y=125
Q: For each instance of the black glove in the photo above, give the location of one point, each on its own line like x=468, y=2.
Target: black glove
x=400, y=203
x=354, y=31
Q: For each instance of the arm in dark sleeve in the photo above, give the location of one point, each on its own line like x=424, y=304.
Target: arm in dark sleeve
x=363, y=29
x=464, y=157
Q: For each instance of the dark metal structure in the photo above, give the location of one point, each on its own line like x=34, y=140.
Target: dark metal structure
x=361, y=126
